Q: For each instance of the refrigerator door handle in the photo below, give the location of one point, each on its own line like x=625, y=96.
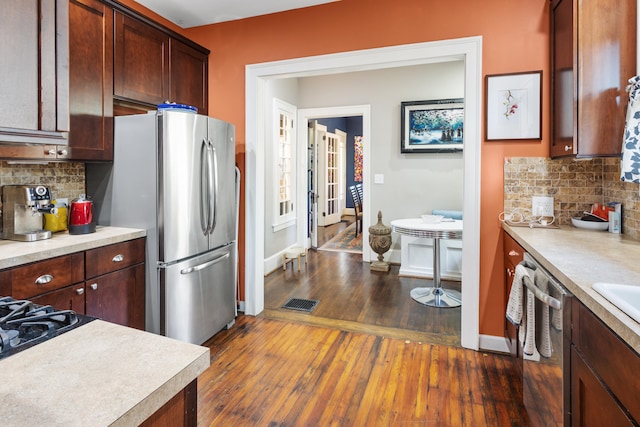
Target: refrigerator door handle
x=214, y=187
x=204, y=187
x=210, y=214
x=204, y=265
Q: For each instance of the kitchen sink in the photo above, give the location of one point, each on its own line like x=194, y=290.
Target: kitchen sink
x=625, y=297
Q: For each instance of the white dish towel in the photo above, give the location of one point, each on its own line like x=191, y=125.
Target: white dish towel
x=630, y=162
x=516, y=295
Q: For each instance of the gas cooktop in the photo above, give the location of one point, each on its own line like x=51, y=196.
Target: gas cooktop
x=24, y=324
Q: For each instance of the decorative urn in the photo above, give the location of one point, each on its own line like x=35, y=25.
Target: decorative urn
x=380, y=242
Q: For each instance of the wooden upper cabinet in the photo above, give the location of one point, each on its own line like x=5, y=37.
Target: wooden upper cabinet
x=593, y=55
x=188, y=70
x=91, y=80
x=141, y=61
x=35, y=82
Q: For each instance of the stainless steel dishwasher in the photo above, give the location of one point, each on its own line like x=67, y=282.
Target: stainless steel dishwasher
x=545, y=353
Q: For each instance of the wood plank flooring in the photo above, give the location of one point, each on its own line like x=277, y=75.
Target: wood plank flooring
x=268, y=372
x=354, y=298
x=368, y=355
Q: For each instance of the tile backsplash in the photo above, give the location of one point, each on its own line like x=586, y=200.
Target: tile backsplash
x=65, y=179
x=574, y=185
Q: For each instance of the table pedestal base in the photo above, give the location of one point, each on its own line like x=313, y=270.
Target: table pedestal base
x=437, y=297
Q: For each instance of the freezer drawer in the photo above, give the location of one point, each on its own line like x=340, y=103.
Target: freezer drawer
x=198, y=296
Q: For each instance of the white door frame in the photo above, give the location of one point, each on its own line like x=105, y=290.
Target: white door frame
x=470, y=50
x=364, y=111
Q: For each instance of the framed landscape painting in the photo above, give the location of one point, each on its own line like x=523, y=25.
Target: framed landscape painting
x=435, y=126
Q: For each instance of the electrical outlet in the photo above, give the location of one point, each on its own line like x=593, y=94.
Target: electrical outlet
x=542, y=206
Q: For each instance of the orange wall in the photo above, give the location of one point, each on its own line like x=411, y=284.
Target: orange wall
x=515, y=38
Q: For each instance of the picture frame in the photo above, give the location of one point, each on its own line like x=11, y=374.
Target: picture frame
x=513, y=107
x=433, y=126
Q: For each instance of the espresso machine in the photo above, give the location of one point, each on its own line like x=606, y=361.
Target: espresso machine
x=22, y=209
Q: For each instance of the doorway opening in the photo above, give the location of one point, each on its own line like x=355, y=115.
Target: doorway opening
x=469, y=50
x=335, y=160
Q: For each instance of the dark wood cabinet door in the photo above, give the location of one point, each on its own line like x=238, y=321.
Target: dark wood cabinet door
x=45, y=276
x=91, y=80
x=69, y=298
x=34, y=85
x=118, y=297
x=188, y=76
x=141, y=61
x=591, y=402
x=593, y=55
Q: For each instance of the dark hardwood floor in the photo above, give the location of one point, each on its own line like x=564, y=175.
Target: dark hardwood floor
x=352, y=297
x=368, y=355
x=268, y=372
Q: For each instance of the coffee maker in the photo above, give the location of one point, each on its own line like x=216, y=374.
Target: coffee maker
x=22, y=209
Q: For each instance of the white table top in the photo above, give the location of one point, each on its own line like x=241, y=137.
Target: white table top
x=446, y=229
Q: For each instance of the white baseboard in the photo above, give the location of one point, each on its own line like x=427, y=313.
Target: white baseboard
x=493, y=343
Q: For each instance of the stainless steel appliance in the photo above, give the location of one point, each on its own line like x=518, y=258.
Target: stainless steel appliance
x=22, y=209
x=24, y=324
x=173, y=174
x=545, y=356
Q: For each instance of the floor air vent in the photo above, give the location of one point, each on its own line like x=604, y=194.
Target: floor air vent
x=300, y=304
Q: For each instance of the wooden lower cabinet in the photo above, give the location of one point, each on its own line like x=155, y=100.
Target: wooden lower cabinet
x=69, y=298
x=592, y=404
x=181, y=410
x=116, y=297
x=106, y=282
x=604, y=388
x=513, y=255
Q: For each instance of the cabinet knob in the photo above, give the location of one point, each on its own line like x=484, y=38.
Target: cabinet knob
x=80, y=291
x=567, y=148
x=44, y=279
x=62, y=152
x=94, y=286
x=513, y=252
x=118, y=258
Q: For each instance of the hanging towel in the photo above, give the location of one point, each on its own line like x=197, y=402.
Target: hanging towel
x=630, y=161
x=545, y=349
x=514, y=305
x=527, y=332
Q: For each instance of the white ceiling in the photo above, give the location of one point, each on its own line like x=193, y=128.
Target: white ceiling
x=192, y=13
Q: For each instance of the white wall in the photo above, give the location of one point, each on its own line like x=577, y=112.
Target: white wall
x=413, y=183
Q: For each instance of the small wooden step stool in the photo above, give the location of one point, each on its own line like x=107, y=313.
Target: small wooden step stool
x=293, y=253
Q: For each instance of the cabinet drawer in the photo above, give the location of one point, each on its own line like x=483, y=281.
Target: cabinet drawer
x=610, y=357
x=513, y=252
x=114, y=257
x=45, y=276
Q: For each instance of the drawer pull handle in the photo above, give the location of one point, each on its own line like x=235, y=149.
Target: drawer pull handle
x=118, y=258
x=44, y=279
x=94, y=286
x=513, y=253
x=80, y=291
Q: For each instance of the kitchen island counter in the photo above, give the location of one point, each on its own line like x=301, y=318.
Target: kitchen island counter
x=14, y=253
x=579, y=258
x=100, y=374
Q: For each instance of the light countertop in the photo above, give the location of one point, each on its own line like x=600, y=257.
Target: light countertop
x=579, y=258
x=100, y=374
x=14, y=253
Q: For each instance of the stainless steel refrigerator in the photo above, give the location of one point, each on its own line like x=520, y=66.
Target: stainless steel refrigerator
x=174, y=175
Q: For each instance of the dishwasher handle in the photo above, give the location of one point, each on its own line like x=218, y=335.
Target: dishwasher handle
x=541, y=295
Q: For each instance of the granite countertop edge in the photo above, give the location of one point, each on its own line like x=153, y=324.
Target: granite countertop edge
x=580, y=258
x=14, y=254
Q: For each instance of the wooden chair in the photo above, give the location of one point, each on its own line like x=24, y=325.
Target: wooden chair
x=357, y=204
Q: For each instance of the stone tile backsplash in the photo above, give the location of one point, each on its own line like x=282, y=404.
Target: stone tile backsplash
x=65, y=179
x=574, y=185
